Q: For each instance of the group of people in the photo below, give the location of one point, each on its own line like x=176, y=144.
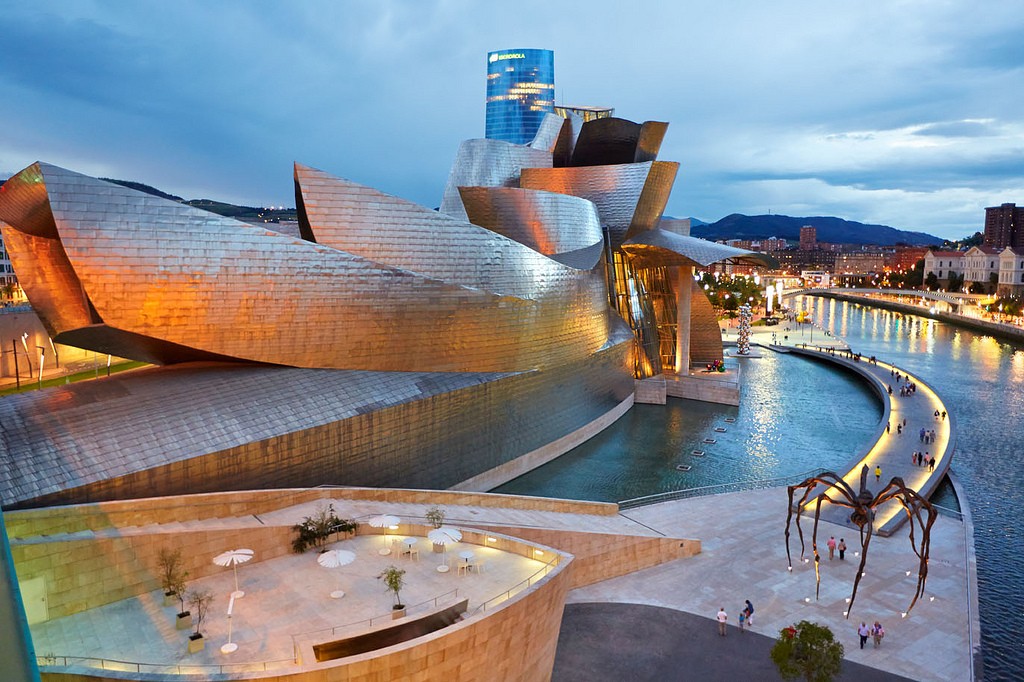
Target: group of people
x=746, y=617
x=876, y=632
x=833, y=546
x=927, y=436
x=924, y=459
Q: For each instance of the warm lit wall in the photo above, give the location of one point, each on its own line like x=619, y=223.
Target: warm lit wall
x=600, y=556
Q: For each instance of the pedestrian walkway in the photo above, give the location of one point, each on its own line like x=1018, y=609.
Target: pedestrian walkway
x=903, y=419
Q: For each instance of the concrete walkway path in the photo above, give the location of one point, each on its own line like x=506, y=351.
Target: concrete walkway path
x=636, y=642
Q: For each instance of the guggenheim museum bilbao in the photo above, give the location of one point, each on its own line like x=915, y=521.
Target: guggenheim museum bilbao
x=391, y=345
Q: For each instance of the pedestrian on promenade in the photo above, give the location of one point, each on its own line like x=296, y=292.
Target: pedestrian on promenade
x=877, y=633
x=931, y=463
x=831, y=544
x=899, y=429
x=943, y=415
x=842, y=549
x=878, y=472
x=904, y=422
x=742, y=620
x=890, y=390
x=888, y=425
x=750, y=613
x=936, y=414
x=723, y=618
x=863, y=631
x=932, y=436
x=922, y=434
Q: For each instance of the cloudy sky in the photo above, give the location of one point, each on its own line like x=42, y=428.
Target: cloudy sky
x=907, y=113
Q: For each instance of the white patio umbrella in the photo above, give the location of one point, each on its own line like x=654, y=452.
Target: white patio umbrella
x=384, y=521
x=444, y=536
x=232, y=558
x=336, y=558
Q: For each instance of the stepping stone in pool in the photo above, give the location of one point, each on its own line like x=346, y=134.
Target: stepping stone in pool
x=730, y=420
x=710, y=441
x=719, y=429
x=682, y=467
x=697, y=453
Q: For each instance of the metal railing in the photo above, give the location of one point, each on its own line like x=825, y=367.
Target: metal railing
x=718, y=489
x=369, y=622
x=518, y=587
x=51, y=660
x=952, y=513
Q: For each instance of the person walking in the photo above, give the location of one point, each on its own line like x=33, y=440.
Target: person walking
x=741, y=620
x=931, y=463
x=842, y=549
x=863, y=631
x=878, y=472
x=877, y=633
x=831, y=544
x=750, y=613
x=723, y=618
x=888, y=425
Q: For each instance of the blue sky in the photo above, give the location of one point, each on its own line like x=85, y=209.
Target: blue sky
x=907, y=113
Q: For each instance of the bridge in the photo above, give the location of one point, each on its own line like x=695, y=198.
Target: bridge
x=953, y=301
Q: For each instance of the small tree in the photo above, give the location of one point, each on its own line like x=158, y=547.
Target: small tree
x=435, y=516
x=807, y=650
x=171, y=570
x=394, y=580
x=315, y=530
x=200, y=601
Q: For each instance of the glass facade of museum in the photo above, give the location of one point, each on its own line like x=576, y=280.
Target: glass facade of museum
x=520, y=91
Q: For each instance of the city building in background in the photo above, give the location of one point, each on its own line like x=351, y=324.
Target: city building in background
x=1011, y=272
x=904, y=258
x=808, y=238
x=981, y=266
x=943, y=263
x=860, y=262
x=1004, y=226
x=520, y=92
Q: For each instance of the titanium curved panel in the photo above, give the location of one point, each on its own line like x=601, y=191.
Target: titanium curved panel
x=611, y=141
x=37, y=256
x=197, y=427
x=556, y=135
x=488, y=163
x=397, y=233
x=657, y=247
x=630, y=198
x=162, y=270
x=546, y=222
x=705, y=336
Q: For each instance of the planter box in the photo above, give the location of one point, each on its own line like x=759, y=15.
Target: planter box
x=438, y=549
x=184, y=621
x=170, y=599
x=397, y=613
x=196, y=645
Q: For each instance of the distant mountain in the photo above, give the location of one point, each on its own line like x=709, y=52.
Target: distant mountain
x=139, y=187
x=833, y=230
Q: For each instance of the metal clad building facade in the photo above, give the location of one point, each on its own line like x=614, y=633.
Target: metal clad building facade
x=520, y=90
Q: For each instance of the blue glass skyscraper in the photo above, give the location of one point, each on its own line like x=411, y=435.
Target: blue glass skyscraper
x=520, y=90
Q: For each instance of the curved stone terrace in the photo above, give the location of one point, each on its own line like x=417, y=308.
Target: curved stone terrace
x=287, y=604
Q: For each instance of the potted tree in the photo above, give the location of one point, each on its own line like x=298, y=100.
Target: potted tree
x=807, y=650
x=435, y=517
x=315, y=530
x=171, y=573
x=200, y=601
x=178, y=586
x=394, y=580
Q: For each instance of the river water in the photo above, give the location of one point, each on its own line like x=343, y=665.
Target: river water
x=796, y=415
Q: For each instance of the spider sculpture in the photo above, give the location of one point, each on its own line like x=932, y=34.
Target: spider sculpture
x=863, y=505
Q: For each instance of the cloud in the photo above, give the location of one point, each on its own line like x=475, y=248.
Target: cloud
x=790, y=100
